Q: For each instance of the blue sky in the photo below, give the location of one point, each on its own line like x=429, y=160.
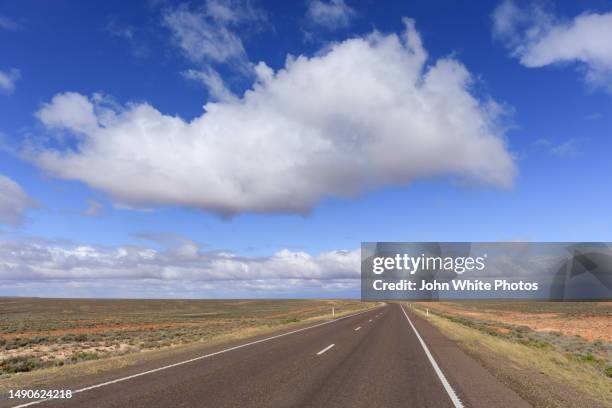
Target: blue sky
x=116, y=178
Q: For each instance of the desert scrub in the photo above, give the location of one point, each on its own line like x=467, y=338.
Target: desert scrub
x=76, y=338
x=68, y=331
x=22, y=364
x=150, y=345
x=19, y=342
x=83, y=356
x=572, y=346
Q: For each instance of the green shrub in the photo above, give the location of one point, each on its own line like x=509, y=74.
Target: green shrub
x=83, y=356
x=21, y=364
x=589, y=358
x=586, y=358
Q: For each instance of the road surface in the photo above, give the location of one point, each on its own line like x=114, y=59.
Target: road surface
x=386, y=357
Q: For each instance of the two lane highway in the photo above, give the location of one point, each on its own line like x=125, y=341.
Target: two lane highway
x=373, y=359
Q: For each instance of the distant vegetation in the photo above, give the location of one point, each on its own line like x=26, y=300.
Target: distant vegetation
x=43, y=333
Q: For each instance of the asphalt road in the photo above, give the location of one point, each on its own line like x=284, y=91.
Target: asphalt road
x=373, y=359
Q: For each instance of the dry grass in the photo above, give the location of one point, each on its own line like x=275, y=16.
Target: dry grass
x=583, y=375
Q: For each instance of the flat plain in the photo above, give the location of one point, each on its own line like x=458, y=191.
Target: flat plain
x=549, y=354
x=38, y=334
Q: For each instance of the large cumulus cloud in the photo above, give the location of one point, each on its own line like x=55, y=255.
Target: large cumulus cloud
x=366, y=113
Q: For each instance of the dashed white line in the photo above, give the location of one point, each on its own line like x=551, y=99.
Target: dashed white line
x=449, y=390
x=358, y=328
x=325, y=349
x=370, y=320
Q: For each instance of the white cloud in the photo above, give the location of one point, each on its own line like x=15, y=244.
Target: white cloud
x=566, y=149
x=332, y=14
x=129, y=34
x=93, y=208
x=8, y=80
x=9, y=24
x=234, y=12
x=185, y=265
x=539, y=38
x=208, y=35
x=13, y=201
x=569, y=148
x=211, y=35
x=120, y=30
x=213, y=82
x=71, y=111
x=367, y=113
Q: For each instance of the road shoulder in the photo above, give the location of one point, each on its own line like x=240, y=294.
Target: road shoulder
x=532, y=386
x=475, y=386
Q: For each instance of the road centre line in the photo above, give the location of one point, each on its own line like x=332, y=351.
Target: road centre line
x=449, y=390
x=129, y=377
x=325, y=349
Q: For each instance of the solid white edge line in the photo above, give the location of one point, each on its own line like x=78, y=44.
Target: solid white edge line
x=325, y=349
x=449, y=390
x=129, y=377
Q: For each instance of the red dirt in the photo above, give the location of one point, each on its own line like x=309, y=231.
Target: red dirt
x=113, y=327
x=588, y=327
